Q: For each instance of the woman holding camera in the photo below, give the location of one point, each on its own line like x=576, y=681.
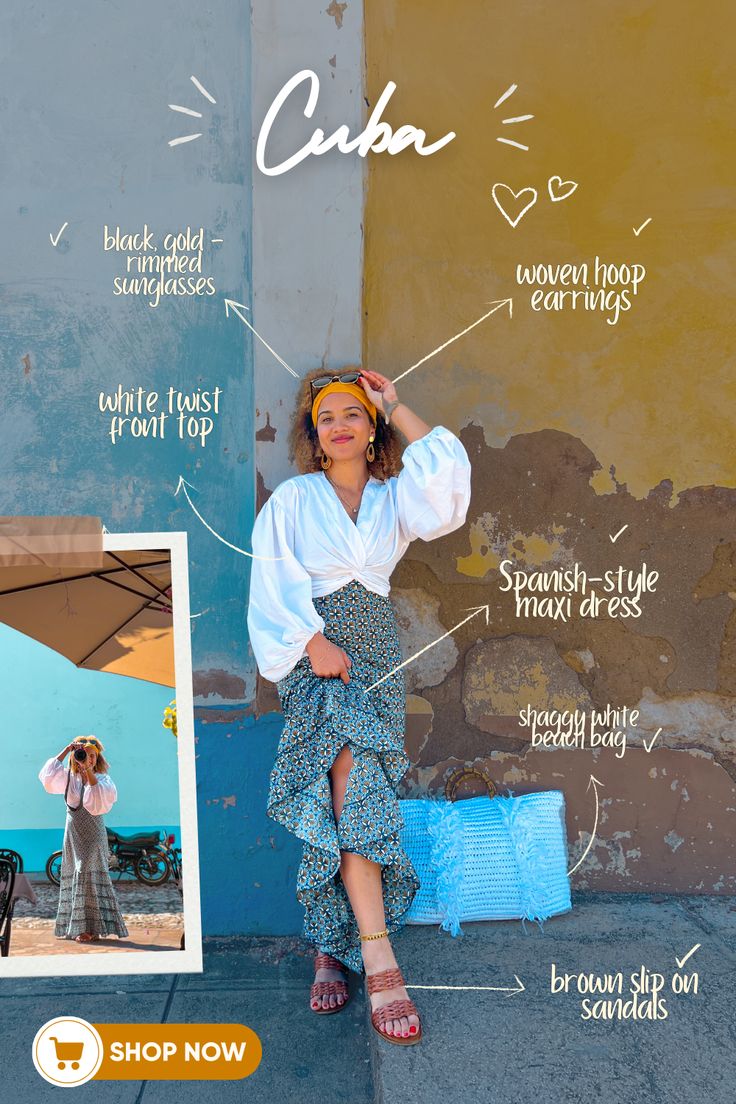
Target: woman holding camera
x=88, y=907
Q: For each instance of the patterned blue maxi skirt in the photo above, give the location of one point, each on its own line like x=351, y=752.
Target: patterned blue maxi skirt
x=321, y=716
x=87, y=901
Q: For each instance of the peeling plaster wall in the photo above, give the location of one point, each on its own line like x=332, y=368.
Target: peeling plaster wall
x=575, y=428
x=625, y=107
x=85, y=101
x=307, y=278
x=307, y=223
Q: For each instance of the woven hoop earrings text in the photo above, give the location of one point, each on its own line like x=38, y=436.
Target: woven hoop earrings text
x=325, y=461
x=370, y=452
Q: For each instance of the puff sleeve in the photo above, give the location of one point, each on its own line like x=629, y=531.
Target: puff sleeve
x=433, y=487
x=100, y=799
x=281, y=614
x=53, y=776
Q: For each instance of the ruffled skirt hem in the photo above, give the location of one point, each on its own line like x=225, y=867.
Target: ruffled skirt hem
x=323, y=715
x=87, y=903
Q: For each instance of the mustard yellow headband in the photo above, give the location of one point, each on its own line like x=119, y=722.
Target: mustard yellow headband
x=90, y=740
x=351, y=389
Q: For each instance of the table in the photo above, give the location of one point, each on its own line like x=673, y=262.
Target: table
x=24, y=889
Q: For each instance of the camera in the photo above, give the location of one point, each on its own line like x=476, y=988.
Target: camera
x=80, y=755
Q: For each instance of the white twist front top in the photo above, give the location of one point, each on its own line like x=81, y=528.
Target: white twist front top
x=98, y=799
x=313, y=548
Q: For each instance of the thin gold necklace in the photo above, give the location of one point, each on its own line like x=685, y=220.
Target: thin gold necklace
x=351, y=509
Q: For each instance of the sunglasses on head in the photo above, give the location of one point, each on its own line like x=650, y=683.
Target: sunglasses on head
x=322, y=381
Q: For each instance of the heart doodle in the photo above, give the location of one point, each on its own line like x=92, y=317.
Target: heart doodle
x=569, y=185
x=516, y=196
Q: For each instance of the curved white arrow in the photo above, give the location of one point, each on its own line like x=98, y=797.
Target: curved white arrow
x=182, y=486
x=596, y=783
x=476, y=610
x=497, y=304
x=237, y=307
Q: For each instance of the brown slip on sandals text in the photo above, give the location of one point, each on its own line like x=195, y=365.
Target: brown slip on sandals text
x=394, y=1010
x=322, y=989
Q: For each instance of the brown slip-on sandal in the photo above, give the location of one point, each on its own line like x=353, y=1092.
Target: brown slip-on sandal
x=394, y=1010
x=321, y=989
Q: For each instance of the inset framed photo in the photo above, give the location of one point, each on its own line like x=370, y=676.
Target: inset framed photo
x=99, y=868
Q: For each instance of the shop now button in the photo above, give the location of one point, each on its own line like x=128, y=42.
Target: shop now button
x=177, y=1052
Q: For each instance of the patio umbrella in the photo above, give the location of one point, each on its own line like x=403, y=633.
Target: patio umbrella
x=114, y=617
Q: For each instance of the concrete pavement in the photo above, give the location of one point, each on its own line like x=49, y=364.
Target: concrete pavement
x=479, y=1045
x=27, y=942
x=533, y=1046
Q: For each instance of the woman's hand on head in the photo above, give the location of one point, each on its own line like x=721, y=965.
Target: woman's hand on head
x=327, y=659
x=378, y=388
x=63, y=754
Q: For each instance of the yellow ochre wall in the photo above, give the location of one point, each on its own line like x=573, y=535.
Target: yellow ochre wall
x=575, y=427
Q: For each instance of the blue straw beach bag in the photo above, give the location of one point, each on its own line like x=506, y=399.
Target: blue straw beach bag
x=487, y=858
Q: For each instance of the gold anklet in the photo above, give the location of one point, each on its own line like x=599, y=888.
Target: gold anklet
x=376, y=935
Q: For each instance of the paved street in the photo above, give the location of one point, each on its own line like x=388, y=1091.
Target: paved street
x=135, y=900
x=479, y=1045
x=153, y=916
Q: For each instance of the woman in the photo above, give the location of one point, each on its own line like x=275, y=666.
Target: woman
x=322, y=628
x=88, y=907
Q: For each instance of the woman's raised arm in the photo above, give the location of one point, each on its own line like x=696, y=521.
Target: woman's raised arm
x=382, y=393
x=53, y=774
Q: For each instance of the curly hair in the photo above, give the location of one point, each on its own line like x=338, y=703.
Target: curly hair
x=304, y=441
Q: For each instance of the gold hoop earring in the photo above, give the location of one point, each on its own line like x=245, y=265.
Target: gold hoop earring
x=325, y=461
x=370, y=452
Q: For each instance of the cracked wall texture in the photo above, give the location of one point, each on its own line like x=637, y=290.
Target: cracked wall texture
x=575, y=428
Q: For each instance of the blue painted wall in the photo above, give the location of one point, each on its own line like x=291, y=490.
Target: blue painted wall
x=247, y=862
x=89, y=91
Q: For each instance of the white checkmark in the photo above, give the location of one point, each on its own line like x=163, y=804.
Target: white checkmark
x=614, y=539
x=654, y=737
x=681, y=961
x=55, y=240
x=638, y=232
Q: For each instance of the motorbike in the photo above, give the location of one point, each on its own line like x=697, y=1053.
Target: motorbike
x=174, y=856
x=149, y=856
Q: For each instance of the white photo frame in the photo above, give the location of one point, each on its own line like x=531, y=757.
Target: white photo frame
x=188, y=960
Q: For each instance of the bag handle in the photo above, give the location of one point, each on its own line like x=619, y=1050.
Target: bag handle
x=461, y=775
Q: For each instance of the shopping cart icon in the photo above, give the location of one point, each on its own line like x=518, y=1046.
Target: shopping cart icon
x=67, y=1052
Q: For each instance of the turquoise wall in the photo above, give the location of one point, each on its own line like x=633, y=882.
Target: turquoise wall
x=86, y=99
x=47, y=702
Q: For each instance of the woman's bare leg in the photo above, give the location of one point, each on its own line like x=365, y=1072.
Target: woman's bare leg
x=362, y=881
x=327, y=973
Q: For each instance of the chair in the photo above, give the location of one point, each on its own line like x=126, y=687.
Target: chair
x=7, y=885
x=13, y=857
